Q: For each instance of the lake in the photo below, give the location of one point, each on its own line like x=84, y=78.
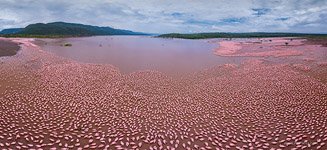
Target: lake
x=137, y=53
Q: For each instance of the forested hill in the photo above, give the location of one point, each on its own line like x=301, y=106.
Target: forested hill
x=237, y=35
x=65, y=29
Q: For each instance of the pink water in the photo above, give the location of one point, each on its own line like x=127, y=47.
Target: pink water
x=134, y=53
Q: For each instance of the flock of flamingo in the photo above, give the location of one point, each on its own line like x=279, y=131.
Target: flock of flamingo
x=49, y=102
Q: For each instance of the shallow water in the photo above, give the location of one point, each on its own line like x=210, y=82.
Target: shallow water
x=134, y=53
x=8, y=48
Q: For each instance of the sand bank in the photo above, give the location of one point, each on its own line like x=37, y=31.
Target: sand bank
x=275, y=47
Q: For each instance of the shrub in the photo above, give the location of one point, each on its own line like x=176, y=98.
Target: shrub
x=68, y=44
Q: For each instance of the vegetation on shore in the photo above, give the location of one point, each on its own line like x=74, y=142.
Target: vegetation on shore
x=238, y=35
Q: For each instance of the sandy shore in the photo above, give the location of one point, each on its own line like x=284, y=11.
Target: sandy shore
x=275, y=47
x=50, y=102
x=228, y=48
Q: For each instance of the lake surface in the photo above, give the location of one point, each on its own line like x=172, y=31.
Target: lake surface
x=134, y=53
x=8, y=48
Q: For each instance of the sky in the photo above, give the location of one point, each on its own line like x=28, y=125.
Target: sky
x=167, y=16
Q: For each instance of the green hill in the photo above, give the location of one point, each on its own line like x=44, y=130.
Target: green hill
x=69, y=29
x=11, y=31
x=237, y=35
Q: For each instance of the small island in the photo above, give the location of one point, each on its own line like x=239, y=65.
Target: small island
x=67, y=45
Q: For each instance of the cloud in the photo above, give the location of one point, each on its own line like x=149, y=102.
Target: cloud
x=260, y=11
x=234, y=20
x=162, y=16
x=282, y=19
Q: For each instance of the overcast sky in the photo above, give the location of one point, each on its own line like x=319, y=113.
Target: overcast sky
x=163, y=16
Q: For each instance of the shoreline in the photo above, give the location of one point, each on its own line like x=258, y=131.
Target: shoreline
x=265, y=47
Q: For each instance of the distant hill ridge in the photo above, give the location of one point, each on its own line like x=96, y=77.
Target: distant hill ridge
x=11, y=31
x=66, y=29
x=238, y=35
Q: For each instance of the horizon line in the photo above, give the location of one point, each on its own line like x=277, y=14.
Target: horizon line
x=320, y=33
